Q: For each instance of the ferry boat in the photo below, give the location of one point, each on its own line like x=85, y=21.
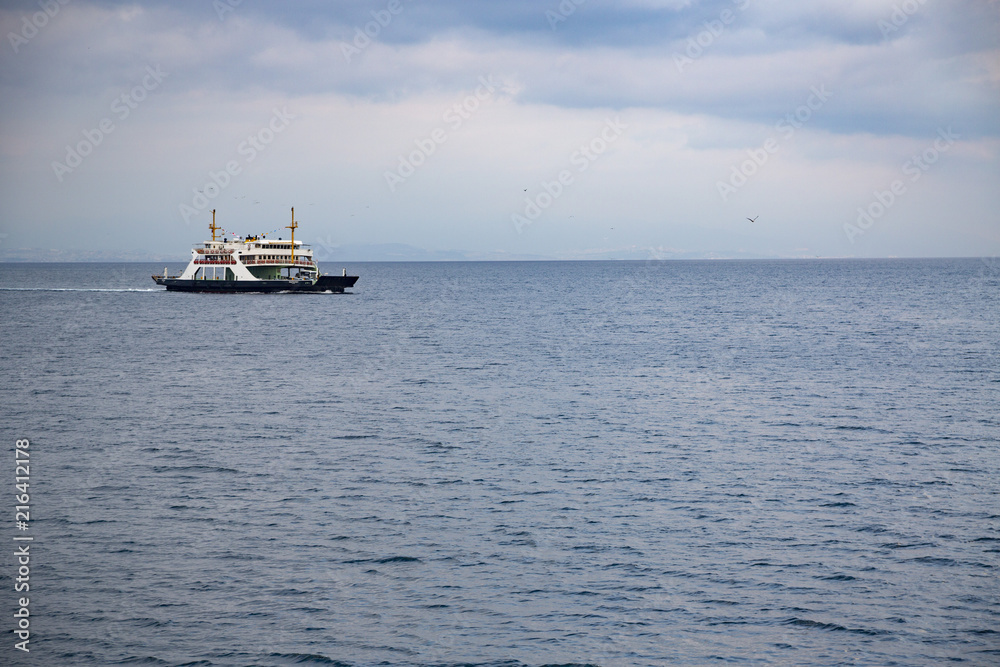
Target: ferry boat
x=254, y=264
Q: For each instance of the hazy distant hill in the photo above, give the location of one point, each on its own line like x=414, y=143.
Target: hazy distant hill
x=401, y=252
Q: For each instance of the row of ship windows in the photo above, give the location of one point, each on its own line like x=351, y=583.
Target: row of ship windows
x=255, y=257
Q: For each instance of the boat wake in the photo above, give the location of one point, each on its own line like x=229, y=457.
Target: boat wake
x=79, y=289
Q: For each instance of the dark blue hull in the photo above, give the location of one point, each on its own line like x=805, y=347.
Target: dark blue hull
x=323, y=285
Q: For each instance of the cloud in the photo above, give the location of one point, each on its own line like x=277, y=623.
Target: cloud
x=639, y=54
x=701, y=82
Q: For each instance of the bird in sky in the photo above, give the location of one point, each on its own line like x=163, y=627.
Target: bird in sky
x=753, y=219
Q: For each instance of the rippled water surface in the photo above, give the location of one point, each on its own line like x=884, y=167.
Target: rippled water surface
x=610, y=463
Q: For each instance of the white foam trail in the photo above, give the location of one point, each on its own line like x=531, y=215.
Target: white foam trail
x=78, y=289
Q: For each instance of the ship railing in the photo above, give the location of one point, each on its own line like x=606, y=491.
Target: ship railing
x=282, y=262
x=214, y=251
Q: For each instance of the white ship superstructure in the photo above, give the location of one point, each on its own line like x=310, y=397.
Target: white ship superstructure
x=251, y=258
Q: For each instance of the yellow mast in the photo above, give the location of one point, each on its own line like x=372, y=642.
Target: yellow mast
x=212, y=226
x=293, y=227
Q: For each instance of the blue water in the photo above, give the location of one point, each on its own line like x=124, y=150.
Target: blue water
x=609, y=463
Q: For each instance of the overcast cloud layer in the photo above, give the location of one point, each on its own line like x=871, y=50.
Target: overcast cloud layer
x=641, y=128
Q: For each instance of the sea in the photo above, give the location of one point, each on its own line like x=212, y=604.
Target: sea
x=507, y=464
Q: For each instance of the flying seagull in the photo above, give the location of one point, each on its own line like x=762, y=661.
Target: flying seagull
x=753, y=219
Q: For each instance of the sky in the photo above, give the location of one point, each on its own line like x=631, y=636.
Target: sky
x=565, y=129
